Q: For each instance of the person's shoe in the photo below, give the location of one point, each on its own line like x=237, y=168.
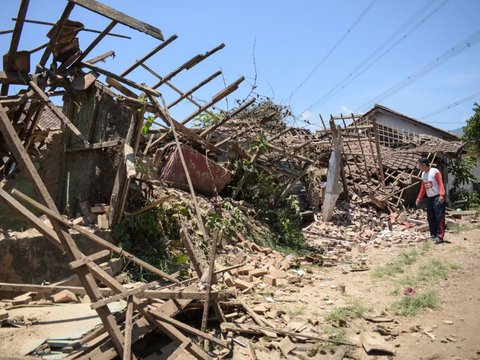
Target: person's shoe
x=438, y=240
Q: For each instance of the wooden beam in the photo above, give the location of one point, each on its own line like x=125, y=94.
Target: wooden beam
x=149, y=55
x=59, y=26
x=211, y=268
x=80, y=262
x=186, y=132
x=127, y=354
x=216, y=98
x=94, y=43
x=187, y=65
x=226, y=118
x=101, y=57
x=84, y=29
x=131, y=83
x=193, y=89
x=49, y=289
x=188, y=245
x=189, y=329
x=14, y=78
x=17, y=32
x=253, y=329
x=123, y=295
x=169, y=329
x=122, y=18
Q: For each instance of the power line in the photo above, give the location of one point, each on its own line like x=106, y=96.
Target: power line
x=320, y=63
x=439, y=60
x=452, y=105
x=367, y=63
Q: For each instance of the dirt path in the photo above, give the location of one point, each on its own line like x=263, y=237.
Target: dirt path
x=451, y=331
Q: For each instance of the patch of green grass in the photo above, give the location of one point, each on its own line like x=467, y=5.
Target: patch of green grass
x=298, y=310
x=413, y=305
x=335, y=334
x=354, y=311
x=429, y=273
x=459, y=228
x=426, y=247
x=405, y=258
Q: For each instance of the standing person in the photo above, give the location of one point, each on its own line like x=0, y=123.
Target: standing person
x=432, y=185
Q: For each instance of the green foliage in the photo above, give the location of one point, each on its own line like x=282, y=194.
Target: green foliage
x=464, y=172
x=405, y=258
x=148, y=236
x=460, y=228
x=471, y=131
x=413, y=305
x=343, y=314
x=260, y=143
x=427, y=274
x=205, y=120
x=148, y=124
x=335, y=334
x=281, y=213
x=229, y=221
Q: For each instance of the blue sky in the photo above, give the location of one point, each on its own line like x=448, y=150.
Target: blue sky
x=319, y=57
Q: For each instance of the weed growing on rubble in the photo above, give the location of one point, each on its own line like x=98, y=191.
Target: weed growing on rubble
x=147, y=235
x=281, y=213
x=205, y=120
x=405, y=258
x=228, y=221
x=335, y=334
x=353, y=311
x=413, y=305
x=429, y=273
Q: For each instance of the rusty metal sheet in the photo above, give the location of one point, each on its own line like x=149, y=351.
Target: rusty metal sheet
x=208, y=178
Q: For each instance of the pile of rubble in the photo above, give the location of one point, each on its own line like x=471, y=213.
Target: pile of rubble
x=115, y=153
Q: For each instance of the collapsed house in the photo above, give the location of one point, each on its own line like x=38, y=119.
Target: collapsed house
x=114, y=151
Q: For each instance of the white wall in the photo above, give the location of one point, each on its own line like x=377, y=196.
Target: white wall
x=398, y=122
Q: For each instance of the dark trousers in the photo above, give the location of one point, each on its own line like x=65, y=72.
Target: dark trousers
x=436, y=216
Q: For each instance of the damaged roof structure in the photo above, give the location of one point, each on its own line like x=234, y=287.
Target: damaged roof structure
x=119, y=152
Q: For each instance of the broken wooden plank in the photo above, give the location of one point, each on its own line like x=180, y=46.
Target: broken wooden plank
x=14, y=78
x=48, y=289
x=128, y=330
x=187, y=65
x=149, y=55
x=193, y=89
x=216, y=98
x=126, y=81
x=99, y=255
x=8, y=61
x=122, y=18
x=260, y=330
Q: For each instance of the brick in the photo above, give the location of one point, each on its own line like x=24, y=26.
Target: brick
x=64, y=296
x=270, y=280
x=244, y=270
x=277, y=273
x=228, y=279
x=258, y=272
x=243, y=285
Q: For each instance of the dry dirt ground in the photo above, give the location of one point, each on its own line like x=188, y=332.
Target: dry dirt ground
x=451, y=331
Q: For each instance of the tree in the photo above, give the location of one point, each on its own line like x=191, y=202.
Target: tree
x=471, y=132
